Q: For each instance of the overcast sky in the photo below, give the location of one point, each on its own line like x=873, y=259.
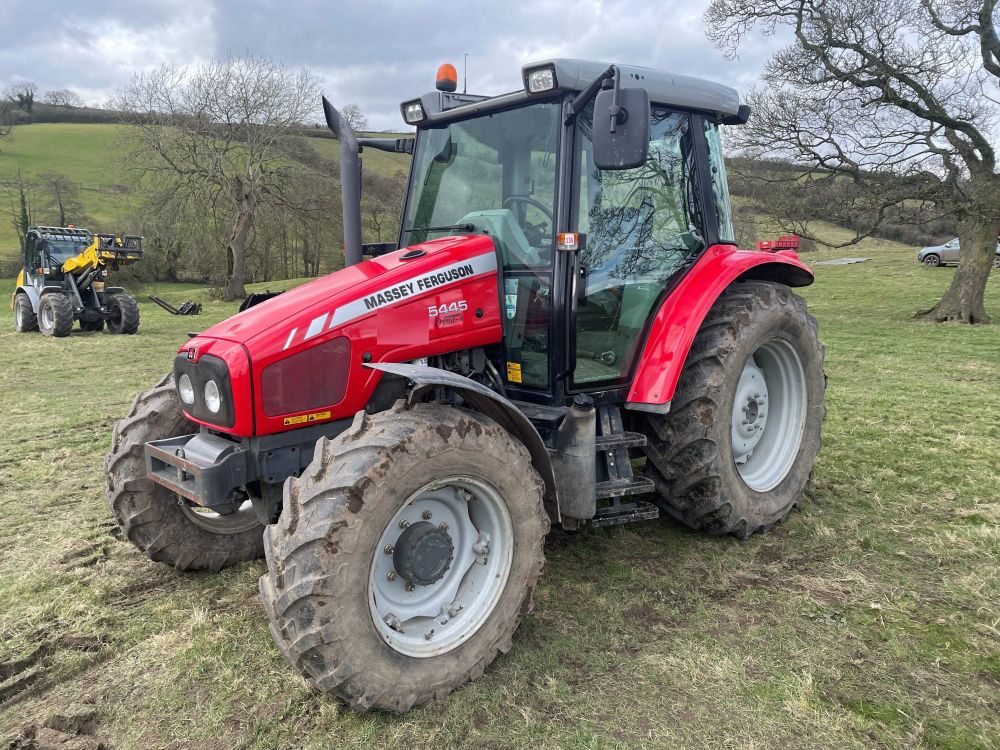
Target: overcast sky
x=374, y=54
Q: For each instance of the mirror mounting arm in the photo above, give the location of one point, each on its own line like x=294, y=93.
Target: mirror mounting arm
x=584, y=98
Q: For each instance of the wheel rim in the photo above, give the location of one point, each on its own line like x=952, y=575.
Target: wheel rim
x=19, y=315
x=768, y=418
x=242, y=519
x=424, y=620
x=931, y=260
x=48, y=317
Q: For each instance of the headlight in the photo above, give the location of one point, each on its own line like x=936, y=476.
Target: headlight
x=213, y=399
x=185, y=389
x=540, y=79
x=413, y=112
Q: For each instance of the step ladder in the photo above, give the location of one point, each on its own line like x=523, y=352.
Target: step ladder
x=615, y=479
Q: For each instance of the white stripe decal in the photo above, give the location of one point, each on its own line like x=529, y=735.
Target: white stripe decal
x=291, y=336
x=316, y=327
x=438, y=278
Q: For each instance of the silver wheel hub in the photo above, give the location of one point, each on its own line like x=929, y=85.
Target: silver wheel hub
x=440, y=566
x=768, y=417
x=749, y=411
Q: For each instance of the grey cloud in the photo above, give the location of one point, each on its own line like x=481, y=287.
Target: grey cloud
x=375, y=54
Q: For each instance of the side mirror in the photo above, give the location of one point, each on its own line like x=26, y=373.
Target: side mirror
x=621, y=128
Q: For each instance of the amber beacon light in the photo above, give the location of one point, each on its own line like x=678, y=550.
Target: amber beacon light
x=447, y=78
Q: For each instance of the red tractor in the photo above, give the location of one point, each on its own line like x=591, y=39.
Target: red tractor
x=567, y=335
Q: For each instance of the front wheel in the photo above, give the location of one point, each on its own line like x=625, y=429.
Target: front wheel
x=55, y=315
x=932, y=261
x=735, y=452
x=405, y=556
x=166, y=527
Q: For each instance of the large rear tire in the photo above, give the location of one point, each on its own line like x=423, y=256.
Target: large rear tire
x=124, y=314
x=406, y=555
x=735, y=452
x=55, y=315
x=25, y=319
x=164, y=526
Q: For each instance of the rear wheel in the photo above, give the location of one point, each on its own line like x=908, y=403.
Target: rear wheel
x=932, y=261
x=738, y=446
x=24, y=316
x=163, y=525
x=405, y=556
x=55, y=315
x=124, y=314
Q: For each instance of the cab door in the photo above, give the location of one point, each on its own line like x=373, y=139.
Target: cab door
x=644, y=227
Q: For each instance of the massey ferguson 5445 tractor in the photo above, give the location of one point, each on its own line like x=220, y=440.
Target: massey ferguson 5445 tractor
x=566, y=335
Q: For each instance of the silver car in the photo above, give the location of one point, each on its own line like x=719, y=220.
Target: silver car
x=947, y=255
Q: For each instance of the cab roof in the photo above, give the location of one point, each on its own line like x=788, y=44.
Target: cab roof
x=667, y=88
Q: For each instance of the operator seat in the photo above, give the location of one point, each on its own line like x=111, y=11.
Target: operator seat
x=502, y=225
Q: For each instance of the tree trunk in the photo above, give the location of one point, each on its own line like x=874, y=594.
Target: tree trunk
x=236, y=251
x=963, y=302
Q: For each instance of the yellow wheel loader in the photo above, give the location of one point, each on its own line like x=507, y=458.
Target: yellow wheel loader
x=64, y=278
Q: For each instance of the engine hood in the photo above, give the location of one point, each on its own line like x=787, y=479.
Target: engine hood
x=357, y=290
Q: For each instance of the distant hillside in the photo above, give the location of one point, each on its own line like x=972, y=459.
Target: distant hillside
x=90, y=155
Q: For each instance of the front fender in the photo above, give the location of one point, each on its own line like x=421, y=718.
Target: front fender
x=490, y=404
x=682, y=313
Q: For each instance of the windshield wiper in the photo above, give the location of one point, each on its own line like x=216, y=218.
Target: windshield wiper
x=445, y=228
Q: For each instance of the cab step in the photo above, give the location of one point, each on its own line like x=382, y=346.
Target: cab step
x=637, y=510
x=620, y=440
x=619, y=487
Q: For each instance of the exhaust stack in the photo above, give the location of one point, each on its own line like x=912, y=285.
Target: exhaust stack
x=350, y=181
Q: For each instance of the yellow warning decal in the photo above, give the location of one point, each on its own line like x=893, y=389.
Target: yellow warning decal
x=514, y=372
x=316, y=416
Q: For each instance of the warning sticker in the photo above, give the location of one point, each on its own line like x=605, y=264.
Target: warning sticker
x=514, y=372
x=316, y=416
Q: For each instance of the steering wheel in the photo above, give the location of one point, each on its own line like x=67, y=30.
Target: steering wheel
x=532, y=232
x=530, y=201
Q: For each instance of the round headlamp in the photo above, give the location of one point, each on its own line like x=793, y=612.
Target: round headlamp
x=213, y=399
x=185, y=389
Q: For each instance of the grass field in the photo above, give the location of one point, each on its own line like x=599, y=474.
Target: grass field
x=91, y=156
x=871, y=618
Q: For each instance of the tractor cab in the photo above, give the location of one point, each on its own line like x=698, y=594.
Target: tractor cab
x=47, y=248
x=594, y=215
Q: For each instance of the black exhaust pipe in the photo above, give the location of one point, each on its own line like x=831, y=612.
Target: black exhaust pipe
x=350, y=181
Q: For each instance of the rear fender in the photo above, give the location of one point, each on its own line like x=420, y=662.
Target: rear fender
x=682, y=313
x=489, y=404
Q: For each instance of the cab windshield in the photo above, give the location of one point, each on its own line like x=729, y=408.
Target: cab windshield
x=495, y=173
x=64, y=249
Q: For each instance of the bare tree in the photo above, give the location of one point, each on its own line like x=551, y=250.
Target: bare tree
x=61, y=198
x=5, y=119
x=20, y=206
x=382, y=202
x=213, y=134
x=893, y=106
x=22, y=95
x=63, y=98
x=355, y=117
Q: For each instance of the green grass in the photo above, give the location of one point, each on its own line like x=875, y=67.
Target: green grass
x=869, y=619
x=91, y=155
